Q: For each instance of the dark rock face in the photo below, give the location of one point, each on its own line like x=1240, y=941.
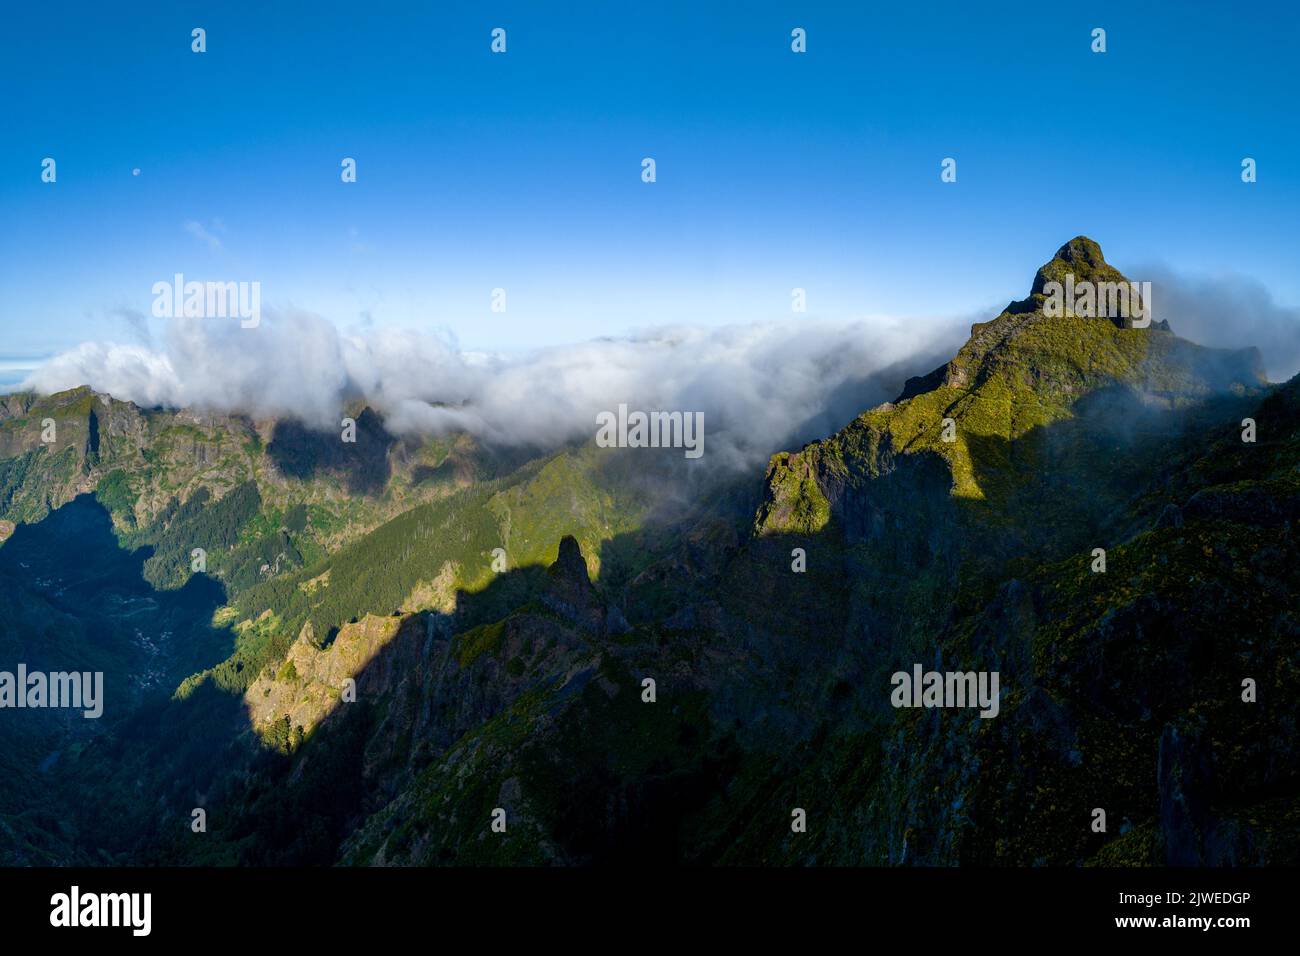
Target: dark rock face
x=920, y=384
x=570, y=592
x=1184, y=779
x=1171, y=517
x=92, y=436
x=569, y=570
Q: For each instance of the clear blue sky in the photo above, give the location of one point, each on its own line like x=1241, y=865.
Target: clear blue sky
x=522, y=170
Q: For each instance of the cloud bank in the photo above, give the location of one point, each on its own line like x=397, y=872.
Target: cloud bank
x=760, y=387
x=1231, y=312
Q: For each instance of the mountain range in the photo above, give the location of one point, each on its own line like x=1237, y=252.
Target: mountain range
x=386, y=642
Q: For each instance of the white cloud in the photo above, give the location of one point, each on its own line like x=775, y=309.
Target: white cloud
x=759, y=386
x=1232, y=312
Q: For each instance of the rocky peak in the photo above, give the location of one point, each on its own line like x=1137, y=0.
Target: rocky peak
x=569, y=569
x=1082, y=259
x=1083, y=252
x=570, y=592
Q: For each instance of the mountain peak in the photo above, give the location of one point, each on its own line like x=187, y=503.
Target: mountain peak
x=1079, y=262
x=569, y=570
x=1081, y=250
x=1081, y=258
x=570, y=592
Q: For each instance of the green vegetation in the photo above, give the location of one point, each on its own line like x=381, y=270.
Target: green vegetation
x=214, y=526
x=484, y=639
x=526, y=514
x=114, y=492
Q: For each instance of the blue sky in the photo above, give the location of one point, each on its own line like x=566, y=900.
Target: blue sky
x=522, y=170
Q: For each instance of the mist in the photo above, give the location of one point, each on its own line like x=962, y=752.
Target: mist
x=761, y=387
x=1231, y=312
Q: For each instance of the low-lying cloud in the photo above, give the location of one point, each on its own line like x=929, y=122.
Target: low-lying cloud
x=760, y=387
x=1231, y=312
